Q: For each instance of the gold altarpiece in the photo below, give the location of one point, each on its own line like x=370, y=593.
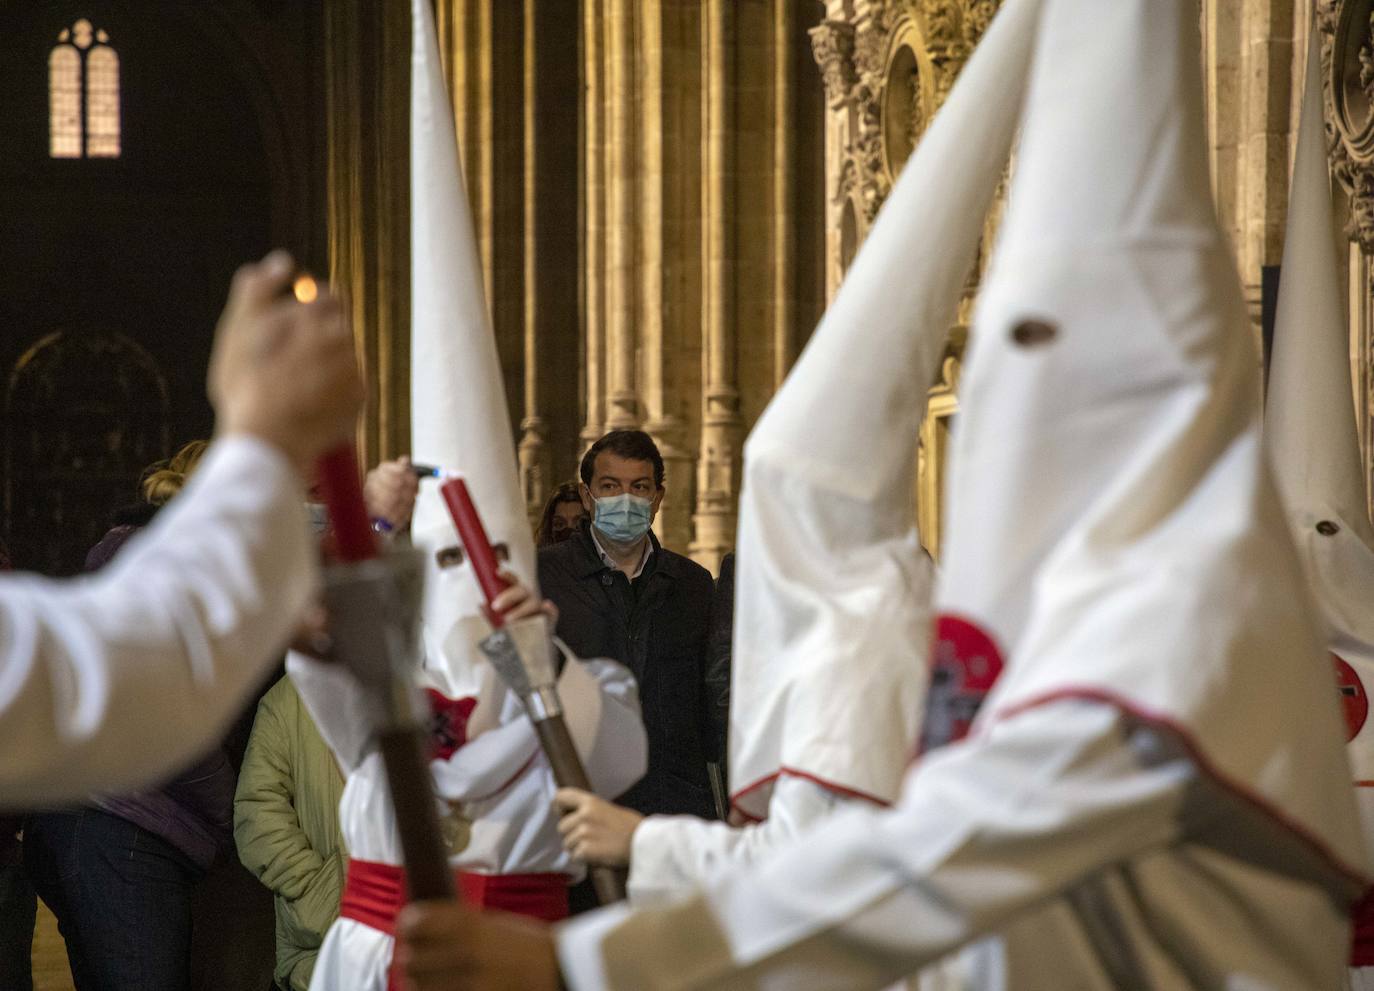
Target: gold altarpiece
x=888, y=64
x=1347, y=43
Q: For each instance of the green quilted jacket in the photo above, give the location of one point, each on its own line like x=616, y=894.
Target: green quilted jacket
x=286, y=828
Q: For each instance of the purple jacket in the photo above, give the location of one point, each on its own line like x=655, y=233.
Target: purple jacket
x=194, y=812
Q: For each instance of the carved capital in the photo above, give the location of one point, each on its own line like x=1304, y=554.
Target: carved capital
x=870, y=45
x=832, y=43
x=534, y=455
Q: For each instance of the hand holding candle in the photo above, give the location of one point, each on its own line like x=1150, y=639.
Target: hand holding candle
x=343, y=494
x=475, y=543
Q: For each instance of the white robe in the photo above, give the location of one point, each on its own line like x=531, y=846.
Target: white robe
x=671, y=855
x=500, y=781
x=1123, y=865
x=111, y=681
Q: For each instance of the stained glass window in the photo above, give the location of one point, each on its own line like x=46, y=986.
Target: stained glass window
x=102, y=103
x=83, y=94
x=64, y=102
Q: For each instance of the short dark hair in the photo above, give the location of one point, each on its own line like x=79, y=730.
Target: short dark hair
x=632, y=445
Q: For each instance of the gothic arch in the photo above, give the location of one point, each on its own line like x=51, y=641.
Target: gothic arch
x=84, y=413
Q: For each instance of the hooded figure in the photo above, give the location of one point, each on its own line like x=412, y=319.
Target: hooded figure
x=488, y=769
x=833, y=616
x=1152, y=793
x=1310, y=430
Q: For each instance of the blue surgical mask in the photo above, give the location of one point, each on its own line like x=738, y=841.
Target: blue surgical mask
x=623, y=518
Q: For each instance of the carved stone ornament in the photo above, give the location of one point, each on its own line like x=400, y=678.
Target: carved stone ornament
x=832, y=43
x=943, y=20
x=1347, y=40
x=976, y=21
x=857, y=61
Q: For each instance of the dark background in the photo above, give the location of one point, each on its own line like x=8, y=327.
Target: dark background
x=113, y=271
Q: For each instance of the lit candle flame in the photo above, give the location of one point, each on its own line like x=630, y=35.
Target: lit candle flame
x=305, y=289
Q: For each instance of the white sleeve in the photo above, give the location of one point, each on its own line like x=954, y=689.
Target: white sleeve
x=601, y=706
x=670, y=855
x=111, y=681
x=986, y=829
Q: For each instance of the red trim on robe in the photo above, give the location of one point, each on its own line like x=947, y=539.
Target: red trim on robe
x=1195, y=754
x=816, y=779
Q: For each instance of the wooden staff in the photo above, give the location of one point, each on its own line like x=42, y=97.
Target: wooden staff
x=366, y=584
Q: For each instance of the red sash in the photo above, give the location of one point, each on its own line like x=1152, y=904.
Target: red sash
x=374, y=893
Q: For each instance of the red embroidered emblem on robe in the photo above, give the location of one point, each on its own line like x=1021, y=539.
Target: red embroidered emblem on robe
x=964, y=665
x=448, y=723
x=1354, y=701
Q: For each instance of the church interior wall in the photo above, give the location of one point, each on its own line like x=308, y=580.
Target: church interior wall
x=665, y=193
x=113, y=269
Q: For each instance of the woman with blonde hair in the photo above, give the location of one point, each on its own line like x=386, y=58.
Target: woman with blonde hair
x=163, y=479
x=119, y=874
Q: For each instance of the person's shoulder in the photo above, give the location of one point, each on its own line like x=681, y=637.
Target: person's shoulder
x=684, y=567
x=727, y=569
x=281, y=700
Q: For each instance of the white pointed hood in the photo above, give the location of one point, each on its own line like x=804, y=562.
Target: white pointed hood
x=1114, y=532
x=458, y=404
x=1310, y=430
x=832, y=617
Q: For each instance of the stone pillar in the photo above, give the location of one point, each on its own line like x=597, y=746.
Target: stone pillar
x=551, y=421
x=832, y=42
x=784, y=191
x=668, y=141
x=673, y=339
x=367, y=98
x=593, y=254
x=1268, y=70
x=465, y=45
x=718, y=465
x=622, y=401
x=1223, y=46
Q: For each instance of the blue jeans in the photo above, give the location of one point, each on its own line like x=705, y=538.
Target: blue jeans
x=122, y=898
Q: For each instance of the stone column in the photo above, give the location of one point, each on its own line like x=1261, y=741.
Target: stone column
x=465, y=45
x=1268, y=68
x=550, y=196
x=367, y=98
x=668, y=269
x=718, y=464
x=622, y=401
x=832, y=42
x=785, y=168
x=593, y=255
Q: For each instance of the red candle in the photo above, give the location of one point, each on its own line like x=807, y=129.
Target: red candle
x=475, y=542
x=343, y=494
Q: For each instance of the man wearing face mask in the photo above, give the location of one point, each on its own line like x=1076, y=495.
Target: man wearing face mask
x=621, y=594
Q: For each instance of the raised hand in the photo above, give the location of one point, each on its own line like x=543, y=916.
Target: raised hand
x=281, y=370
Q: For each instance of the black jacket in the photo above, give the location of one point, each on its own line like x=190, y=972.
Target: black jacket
x=721, y=647
x=658, y=628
